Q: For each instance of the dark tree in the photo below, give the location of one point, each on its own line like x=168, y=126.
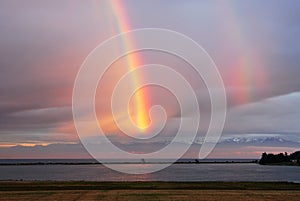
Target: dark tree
x=281, y=158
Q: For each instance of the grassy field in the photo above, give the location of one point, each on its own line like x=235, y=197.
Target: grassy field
x=21, y=190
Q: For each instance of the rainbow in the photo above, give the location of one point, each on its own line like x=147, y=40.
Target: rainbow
x=139, y=113
x=248, y=68
x=247, y=72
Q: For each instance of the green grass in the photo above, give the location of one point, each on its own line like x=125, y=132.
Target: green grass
x=80, y=185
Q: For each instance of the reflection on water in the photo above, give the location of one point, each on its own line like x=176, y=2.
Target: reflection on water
x=176, y=172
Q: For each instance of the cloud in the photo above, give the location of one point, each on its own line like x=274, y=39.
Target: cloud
x=59, y=151
x=224, y=149
x=274, y=115
x=43, y=44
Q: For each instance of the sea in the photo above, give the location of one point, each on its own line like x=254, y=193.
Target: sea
x=185, y=170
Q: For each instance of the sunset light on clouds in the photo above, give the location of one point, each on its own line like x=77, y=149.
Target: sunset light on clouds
x=43, y=45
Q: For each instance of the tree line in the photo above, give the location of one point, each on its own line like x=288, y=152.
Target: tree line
x=281, y=158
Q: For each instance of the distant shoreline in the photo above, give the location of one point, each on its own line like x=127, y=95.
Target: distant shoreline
x=125, y=163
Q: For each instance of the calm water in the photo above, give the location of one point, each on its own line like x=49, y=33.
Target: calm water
x=176, y=172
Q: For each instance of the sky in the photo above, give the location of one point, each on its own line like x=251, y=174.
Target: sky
x=254, y=44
